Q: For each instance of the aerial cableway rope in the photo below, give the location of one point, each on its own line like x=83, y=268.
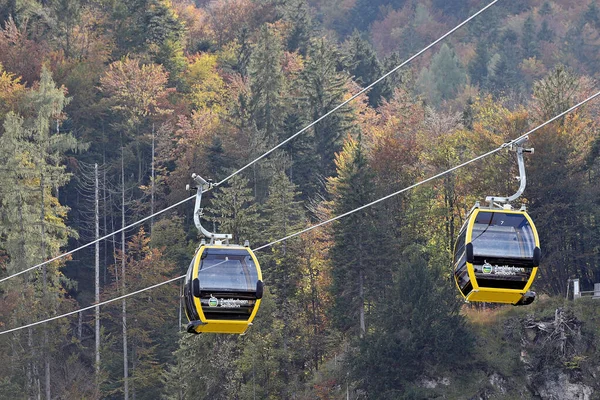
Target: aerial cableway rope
x=262, y=156
x=503, y=146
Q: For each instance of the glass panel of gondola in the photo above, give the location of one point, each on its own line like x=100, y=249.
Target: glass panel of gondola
x=503, y=246
x=460, y=262
x=503, y=236
x=187, y=289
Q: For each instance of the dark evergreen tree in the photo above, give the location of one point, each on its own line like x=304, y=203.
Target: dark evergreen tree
x=592, y=15
x=234, y=211
x=32, y=221
x=457, y=9
x=164, y=38
x=266, y=84
x=297, y=13
x=545, y=33
x=362, y=16
x=354, y=269
x=478, y=67
x=506, y=74
x=553, y=187
x=362, y=63
x=416, y=331
x=529, y=42
x=545, y=9
x=282, y=268
x=322, y=88
x=444, y=78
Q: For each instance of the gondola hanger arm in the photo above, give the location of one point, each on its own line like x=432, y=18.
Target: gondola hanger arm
x=204, y=185
x=518, y=147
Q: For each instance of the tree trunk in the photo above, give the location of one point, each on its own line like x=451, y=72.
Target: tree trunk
x=97, y=272
x=152, y=188
x=124, y=304
x=46, y=300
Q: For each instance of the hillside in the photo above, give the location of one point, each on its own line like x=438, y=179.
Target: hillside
x=108, y=107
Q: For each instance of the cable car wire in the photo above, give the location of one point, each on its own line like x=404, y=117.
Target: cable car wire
x=260, y=157
x=503, y=146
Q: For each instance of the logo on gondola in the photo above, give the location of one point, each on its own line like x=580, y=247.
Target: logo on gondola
x=487, y=268
x=213, y=302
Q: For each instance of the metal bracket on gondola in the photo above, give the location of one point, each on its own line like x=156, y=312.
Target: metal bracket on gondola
x=204, y=185
x=518, y=147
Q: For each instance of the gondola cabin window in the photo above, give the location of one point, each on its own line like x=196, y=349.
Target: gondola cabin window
x=227, y=270
x=502, y=235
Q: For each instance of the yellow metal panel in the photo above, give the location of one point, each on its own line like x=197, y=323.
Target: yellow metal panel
x=493, y=295
x=223, y=326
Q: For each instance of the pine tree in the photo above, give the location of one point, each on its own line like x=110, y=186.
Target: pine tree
x=545, y=9
x=355, y=237
x=32, y=224
x=506, y=74
x=444, y=78
x=297, y=13
x=545, y=33
x=418, y=328
x=234, y=211
x=529, y=43
x=322, y=89
x=362, y=63
x=266, y=82
x=164, y=35
x=478, y=67
x=150, y=324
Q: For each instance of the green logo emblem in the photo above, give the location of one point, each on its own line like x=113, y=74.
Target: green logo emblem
x=213, y=302
x=487, y=269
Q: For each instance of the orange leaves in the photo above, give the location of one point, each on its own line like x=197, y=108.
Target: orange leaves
x=393, y=133
x=137, y=90
x=19, y=54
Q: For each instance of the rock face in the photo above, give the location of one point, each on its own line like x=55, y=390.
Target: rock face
x=562, y=389
x=553, y=354
x=547, y=357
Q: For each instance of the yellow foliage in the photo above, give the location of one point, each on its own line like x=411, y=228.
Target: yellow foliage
x=10, y=89
x=207, y=86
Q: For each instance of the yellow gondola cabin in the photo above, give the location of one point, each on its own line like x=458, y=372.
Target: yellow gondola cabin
x=496, y=256
x=223, y=288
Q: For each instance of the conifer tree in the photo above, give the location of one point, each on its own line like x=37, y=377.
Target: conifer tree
x=352, y=255
x=32, y=224
x=164, y=34
x=266, y=83
x=545, y=33
x=529, y=42
x=364, y=67
x=417, y=330
x=233, y=210
x=478, y=67
x=444, y=78
x=297, y=13
x=322, y=88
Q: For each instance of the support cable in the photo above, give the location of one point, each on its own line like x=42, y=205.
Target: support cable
x=504, y=145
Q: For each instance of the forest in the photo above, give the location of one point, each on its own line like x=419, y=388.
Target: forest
x=107, y=107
